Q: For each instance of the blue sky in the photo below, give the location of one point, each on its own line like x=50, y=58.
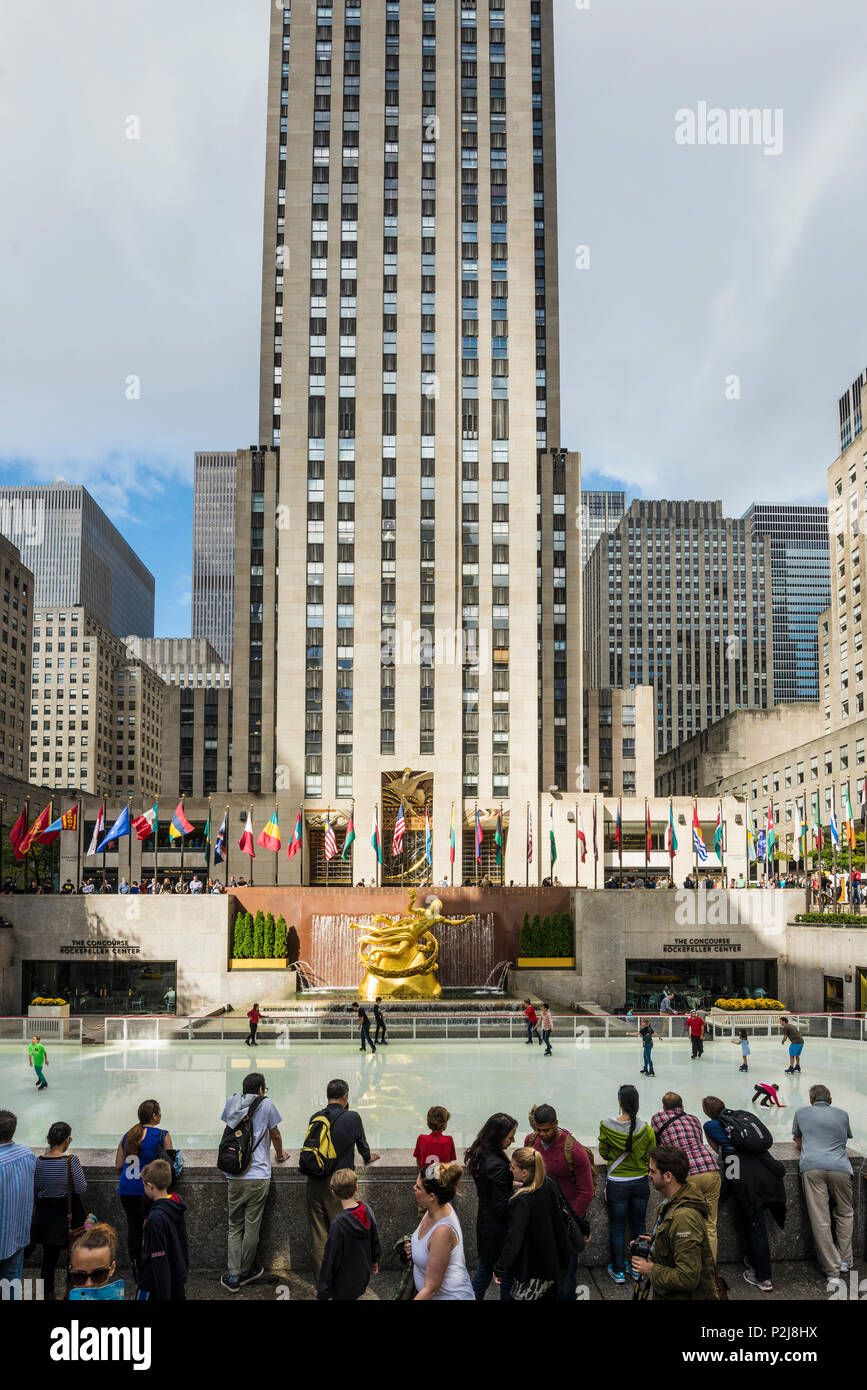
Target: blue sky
x=142, y=257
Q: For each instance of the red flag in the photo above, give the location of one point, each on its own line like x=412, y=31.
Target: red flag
x=33, y=834
x=245, y=844
x=18, y=833
x=296, y=842
x=399, y=832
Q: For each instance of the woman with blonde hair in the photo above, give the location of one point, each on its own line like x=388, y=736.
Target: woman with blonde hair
x=536, y=1252
x=436, y=1248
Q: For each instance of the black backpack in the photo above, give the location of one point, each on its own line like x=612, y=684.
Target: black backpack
x=235, y=1153
x=745, y=1132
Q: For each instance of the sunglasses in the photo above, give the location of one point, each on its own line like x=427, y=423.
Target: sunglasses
x=79, y=1277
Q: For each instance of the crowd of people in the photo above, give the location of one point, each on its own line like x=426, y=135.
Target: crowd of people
x=533, y=1200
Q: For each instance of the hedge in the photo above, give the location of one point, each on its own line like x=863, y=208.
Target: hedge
x=832, y=919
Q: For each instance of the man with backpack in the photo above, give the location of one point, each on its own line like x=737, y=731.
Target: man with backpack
x=244, y=1158
x=752, y=1179
x=333, y=1135
x=571, y=1167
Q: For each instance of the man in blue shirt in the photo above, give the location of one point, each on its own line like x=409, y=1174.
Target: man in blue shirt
x=17, y=1171
x=820, y=1131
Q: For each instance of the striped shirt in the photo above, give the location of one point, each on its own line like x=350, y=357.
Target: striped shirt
x=17, y=1165
x=50, y=1180
x=685, y=1133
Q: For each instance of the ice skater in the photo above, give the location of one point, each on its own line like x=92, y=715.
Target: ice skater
x=743, y=1042
x=254, y=1016
x=646, y=1033
x=766, y=1094
x=795, y=1038
x=365, y=1029
x=379, y=1017
x=38, y=1058
x=547, y=1024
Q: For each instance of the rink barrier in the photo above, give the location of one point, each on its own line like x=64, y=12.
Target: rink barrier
x=21, y=1029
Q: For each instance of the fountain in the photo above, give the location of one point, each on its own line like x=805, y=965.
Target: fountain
x=466, y=953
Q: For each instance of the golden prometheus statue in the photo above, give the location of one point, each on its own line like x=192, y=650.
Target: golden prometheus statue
x=399, y=954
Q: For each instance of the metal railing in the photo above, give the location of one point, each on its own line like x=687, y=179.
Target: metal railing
x=49, y=1029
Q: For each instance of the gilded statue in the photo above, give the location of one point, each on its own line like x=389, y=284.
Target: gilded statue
x=399, y=954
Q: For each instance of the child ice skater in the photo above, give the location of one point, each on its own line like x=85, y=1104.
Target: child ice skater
x=766, y=1094
x=743, y=1041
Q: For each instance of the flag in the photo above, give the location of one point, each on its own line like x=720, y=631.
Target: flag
x=498, y=837
x=349, y=838
x=797, y=832
x=670, y=837
x=375, y=840
x=452, y=838
x=399, y=832
x=120, y=828
x=529, y=837
x=180, y=826
x=772, y=838
x=618, y=829
x=220, y=845
x=18, y=833
x=718, y=834
x=862, y=812
x=330, y=840
x=295, y=845
x=97, y=831
x=579, y=831
x=850, y=821
x=270, y=836
x=551, y=835
x=428, y=846
x=698, y=843
x=143, y=825
x=751, y=837
x=648, y=834
x=245, y=844
x=818, y=837
x=69, y=819
x=35, y=833
x=479, y=836
x=595, y=843
x=835, y=829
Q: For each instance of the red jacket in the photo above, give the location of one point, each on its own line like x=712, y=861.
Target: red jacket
x=577, y=1190
x=531, y=1015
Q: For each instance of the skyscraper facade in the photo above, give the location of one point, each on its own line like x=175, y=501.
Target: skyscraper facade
x=800, y=591
x=600, y=513
x=214, y=550
x=425, y=560
x=78, y=557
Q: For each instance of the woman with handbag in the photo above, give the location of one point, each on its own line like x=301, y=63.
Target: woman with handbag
x=144, y=1142
x=58, y=1213
x=537, y=1249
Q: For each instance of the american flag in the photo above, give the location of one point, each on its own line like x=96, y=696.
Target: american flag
x=330, y=842
x=399, y=832
x=529, y=837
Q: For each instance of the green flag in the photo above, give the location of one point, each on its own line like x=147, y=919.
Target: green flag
x=553, y=841
x=350, y=836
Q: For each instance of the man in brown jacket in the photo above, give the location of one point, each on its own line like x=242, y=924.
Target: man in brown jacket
x=681, y=1265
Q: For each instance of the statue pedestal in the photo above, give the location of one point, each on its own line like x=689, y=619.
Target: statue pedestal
x=422, y=987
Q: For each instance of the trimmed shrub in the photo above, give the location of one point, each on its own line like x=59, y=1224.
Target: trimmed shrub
x=238, y=938
x=281, y=942
x=259, y=935
x=535, y=936
x=524, y=939
x=832, y=919
x=268, y=951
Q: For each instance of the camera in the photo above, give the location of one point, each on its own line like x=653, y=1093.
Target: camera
x=641, y=1247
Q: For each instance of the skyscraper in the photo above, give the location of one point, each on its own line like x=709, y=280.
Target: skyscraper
x=423, y=599
x=600, y=513
x=800, y=591
x=214, y=550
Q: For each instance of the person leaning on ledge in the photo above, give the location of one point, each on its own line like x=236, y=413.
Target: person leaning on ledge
x=681, y=1265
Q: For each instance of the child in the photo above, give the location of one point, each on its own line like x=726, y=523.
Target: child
x=436, y=1147
x=38, y=1058
x=768, y=1094
x=744, y=1042
x=165, y=1257
x=353, y=1249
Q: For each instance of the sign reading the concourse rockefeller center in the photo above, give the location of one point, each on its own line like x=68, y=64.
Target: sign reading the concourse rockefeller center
x=701, y=946
x=100, y=946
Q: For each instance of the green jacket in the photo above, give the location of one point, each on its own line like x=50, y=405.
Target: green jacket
x=612, y=1144
x=683, y=1266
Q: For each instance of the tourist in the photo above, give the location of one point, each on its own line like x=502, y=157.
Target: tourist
x=88, y=886
x=754, y=1184
x=488, y=1166
x=38, y=1058
x=93, y=1263
x=254, y=1016
x=795, y=1039
x=379, y=1017
x=365, y=1028
x=536, y=1252
x=196, y=884
x=568, y=1163
x=682, y=1262
x=743, y=1041
x=59, y=1186
x=165, y=1256
x=766, y=1094
x=167, y=886
x=353, y=1249
x=819, y=1133
x=674, y=1128
x=625, y=1142
x=666, y=1005
x=68, y=886
x=532, y=1023
x=123, y=887
x=436, y=1247
x=105, y=886
x=547, y=1025
x=347, y=1134
x=17, y=1170
x=170, y=997
x=695, y=1029
x=646, y=1033
x=137, y=1147
x=436, y=1146
x=248, y=1191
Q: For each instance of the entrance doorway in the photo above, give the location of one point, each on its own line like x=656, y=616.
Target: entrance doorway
x=697, y=983
x=102, y=986
x=833, y=995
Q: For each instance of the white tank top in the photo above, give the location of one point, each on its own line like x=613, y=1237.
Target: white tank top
x=456, y=1282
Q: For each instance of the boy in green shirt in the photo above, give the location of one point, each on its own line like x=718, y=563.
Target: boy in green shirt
x=38, y=1060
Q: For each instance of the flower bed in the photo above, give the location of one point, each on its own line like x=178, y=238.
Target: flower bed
x=732, y=1006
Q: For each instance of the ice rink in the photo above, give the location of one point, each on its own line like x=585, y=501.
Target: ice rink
x=98, y=1089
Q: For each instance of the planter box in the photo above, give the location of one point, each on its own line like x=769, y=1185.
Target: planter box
x=747, y=1018
x=257, y=964
x=546, y=962
x=48, y=1011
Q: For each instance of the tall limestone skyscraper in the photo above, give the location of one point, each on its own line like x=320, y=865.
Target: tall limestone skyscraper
x=408, y=530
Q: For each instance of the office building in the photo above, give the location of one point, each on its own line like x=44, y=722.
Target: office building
x=214, y=550
x=78, y=557
x=16, y=636
x=850, y=420
x=182, y=661
x=600, y=513
x=618, y=741
x=800, y=591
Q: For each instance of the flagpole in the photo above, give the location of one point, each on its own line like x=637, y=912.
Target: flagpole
x=527, y=851
x=77, y=843
x=670, y=838
x=183, y=840
x=620, y=839
x=850, y=831
x=378, y=846
x=104, y=823
x=453, y=848
x=208, y=850
x=646, y=843
x=476, y=842
x=576, y=844
x=226, y=848
x=694, y=846
x=327, y=860
x=595, y=847
x=156, y=843
x=27, y=851
x=129, y=838
x=277, y=855
x=252, y=860
x=722, y=843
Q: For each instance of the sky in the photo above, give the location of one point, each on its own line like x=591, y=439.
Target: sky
x=712, y=294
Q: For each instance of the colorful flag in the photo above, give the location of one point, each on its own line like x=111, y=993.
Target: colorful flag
x=349, y=837
x=818, y=837
x=863, y=808
x=428, y=845
x=180, y=826
x=143, y=825
x=479, y=836
x=797, y=832
x=835, y=829
x=718, y=834
x=850, y=821
x=772, y=837
x=97, y=831
x=751, y=836
x=270, y=836
x=69, y=819
x=698, y=843
x=551, y=836
x=245, y=844
x=618, y=830
x=648, y=833
x=374, y=839
x=529, y=837
x=330, y=838
x=295, y=845
x=498, y=837
x=670, y=837
x=452, y=838
x=120, y=829
x=34, y=834
x=399, y=832
x=579, y=831
x=18, y=833
x=220, y=845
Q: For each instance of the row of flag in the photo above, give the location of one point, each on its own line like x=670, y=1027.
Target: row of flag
x=43, y=831
x=801, y=829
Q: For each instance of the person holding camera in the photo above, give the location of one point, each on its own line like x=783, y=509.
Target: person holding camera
x=676, y=1259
